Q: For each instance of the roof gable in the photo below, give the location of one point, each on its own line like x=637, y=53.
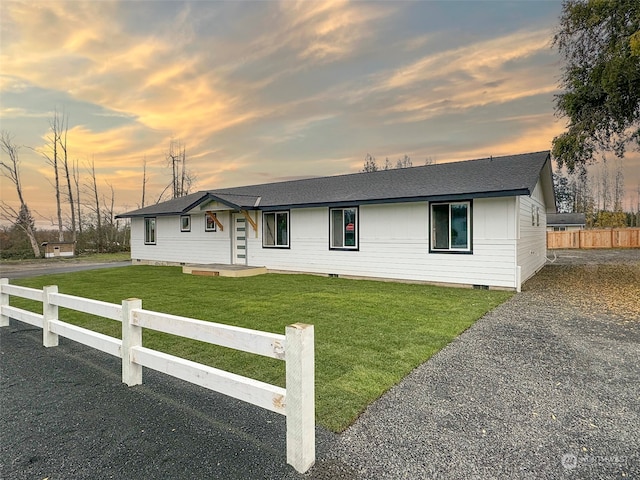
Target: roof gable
x=487, y=177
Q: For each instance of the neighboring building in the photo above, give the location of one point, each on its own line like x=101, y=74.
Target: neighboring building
x=475, y=223
x=59, y=249
x=565, y=222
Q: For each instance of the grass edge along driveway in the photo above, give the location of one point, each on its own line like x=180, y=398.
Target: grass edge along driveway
x=368, y=334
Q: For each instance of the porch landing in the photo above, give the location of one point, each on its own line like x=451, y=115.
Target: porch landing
x=222, y=270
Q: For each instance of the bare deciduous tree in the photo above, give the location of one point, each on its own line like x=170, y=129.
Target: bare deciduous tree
x=65, y=166
x=11, y=170
x=404, y=162
x=95, y=207
x=182, y=179
x=144, y=180
x=618, y=188
x=109, y=226
x=76, y=182
x=50, y=153
x=370, y=164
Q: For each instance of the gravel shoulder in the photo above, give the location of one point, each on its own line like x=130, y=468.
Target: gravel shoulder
x=543, y=387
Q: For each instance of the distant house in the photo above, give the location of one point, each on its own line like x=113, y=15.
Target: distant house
x=565, y=222
x=475, y=223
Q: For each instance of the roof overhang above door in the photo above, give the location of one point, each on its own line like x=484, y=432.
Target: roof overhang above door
x=215, y=206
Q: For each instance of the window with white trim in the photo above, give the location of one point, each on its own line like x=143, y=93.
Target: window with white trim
x=185, y=223
x=451, y=227
x=150, y=230
x=343, y=228
x=275, y=229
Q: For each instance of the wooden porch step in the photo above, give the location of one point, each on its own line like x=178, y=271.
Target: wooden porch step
x=222, y=270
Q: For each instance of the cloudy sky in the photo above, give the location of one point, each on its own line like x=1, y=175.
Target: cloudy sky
x=266, y=91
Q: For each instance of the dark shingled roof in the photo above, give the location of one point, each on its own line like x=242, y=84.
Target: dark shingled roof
x=563, y=219
x=487, y=177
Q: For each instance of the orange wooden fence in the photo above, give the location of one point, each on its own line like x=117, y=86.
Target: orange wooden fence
x=604, y=238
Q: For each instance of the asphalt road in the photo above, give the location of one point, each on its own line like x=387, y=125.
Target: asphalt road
x=31, y=270
x=543, y=387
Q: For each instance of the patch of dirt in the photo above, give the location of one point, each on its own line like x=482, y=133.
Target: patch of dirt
x=610, y=289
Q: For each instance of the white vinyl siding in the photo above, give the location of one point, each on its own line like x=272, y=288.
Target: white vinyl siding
x=174, y=246
x=394, y=243
x=532, y=246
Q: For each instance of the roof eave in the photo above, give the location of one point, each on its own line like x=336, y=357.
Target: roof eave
x=422, y=198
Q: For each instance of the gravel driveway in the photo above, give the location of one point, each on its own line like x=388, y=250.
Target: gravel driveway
x=544, y=386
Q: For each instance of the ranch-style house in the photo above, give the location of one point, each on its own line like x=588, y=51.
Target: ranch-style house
x=475, y=223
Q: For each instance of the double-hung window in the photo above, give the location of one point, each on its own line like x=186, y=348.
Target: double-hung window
x=451, y=227
x=150, y=231
x=275, y=229
x=185, y=223
x=343, y=226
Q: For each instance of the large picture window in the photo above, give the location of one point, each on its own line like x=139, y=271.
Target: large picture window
x=150, y=231
x=451, y=227
x=343, y=226
x=275, y=229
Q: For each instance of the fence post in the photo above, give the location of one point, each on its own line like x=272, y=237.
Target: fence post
x=131, y=337
x=300, y=402
x=4, y=300
x=49, y=312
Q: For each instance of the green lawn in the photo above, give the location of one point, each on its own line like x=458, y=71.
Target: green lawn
x=369, y=334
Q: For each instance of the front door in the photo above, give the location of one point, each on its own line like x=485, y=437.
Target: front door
x=239, y=240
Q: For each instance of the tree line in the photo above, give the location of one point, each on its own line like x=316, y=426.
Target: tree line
x=599, y=195
x=371, y=164
x=84, y=208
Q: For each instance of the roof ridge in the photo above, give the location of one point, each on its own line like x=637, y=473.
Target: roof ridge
x=284, y=182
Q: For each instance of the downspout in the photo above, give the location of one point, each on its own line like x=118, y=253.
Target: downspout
x=518, y=268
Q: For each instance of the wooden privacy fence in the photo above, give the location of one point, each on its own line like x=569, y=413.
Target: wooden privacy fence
x=295, y=347
x=602, y=238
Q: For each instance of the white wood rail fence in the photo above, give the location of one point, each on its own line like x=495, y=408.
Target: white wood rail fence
x=295, y=347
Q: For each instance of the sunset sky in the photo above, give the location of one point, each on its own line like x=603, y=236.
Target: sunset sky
x=267, y=91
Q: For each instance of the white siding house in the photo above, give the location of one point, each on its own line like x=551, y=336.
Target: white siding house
x=566, y=222
x=475, y=223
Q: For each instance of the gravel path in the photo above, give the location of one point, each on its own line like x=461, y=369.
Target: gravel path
x=544, y=386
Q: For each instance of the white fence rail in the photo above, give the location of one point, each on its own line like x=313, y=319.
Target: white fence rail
x=296, y=348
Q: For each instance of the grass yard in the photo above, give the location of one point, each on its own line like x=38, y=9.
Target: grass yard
x=369, y=334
